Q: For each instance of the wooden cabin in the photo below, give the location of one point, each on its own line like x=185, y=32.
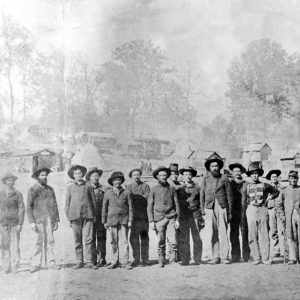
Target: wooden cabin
x=101, y=140
x=290, y=160
x=256, y=152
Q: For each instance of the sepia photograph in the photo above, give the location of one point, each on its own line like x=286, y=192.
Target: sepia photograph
x=149, y=149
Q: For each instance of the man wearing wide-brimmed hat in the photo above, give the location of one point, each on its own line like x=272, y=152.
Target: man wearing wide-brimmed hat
x=99, y=232
x=80, y=211
x=164, y=214
x=117, y=217
x=216, y=205
x=174, y=173
x=239, y=220
x=276, y=227
x=12, y=211
x=139, y=237
x=288, y=208
x=43, y=217
x=191, y=221
x=255, y=197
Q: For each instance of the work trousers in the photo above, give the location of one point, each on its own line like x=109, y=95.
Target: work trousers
x=139, y=240
x=99, y=242
x=276, y=233
x=217, y=223
x=83, y=232
x=44, y=243
x=165, y=229
x=189, y=225
x=259, y=242
x=9, y=245
x=237, y=225
x=294, y=243
x=119, y=244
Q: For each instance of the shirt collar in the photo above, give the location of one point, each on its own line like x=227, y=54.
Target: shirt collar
x=80, y=182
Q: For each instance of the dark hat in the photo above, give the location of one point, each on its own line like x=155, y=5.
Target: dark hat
x=37, y=173
x=188, y=169
x=137, y=169
x=114, y=175
x=237, y=165
x=74, y=168
x=159, y=169
x=255, y=166
x=92, y=171
x=7, y=176
x=293, y=174
x=215, y=157
x=277, y=172
x=173, y=167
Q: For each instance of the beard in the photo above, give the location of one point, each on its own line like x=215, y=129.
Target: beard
x=163, y=183
x=215, y=173
x=43, y=181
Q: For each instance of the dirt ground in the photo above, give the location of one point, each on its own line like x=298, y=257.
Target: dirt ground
x=235, y=281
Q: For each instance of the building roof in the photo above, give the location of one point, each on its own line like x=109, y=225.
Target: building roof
x=96, y=134
x=255, y=147
x=289, y=154
x=28, y=152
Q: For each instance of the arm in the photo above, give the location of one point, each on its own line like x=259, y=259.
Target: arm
x=55, y=208
x=147, y=191
x=21, y=207
x=30, y=199
x=150, y=206
x=229, y=195
x=92, y=199
x=244, y=198
x=177, y=207
x=202, y=197
x=279, y=205
x=68, y=201
x=105, y=208
x=274, y=193
x=131, y=210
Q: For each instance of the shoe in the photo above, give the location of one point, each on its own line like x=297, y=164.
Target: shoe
x=161, y=263
x=7, y=271
x=256, y=262
x=214, y=261
x=267, y=262
x=225, y=262
x=54, y=267
x=95, y=267
x=89, y=265
x=292, y=262
x=276, y=255
x=34, y=269
x=113, y=266
x=146, y=263
x=127, y=266
x=185, y=263
x=78, y=266
x=107, y=264
x=102, y=263
x=135, y=263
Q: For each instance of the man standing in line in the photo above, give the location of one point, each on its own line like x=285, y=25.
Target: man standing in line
x=173, y=180
x=276, y=226
x=191, y=217
x=164, y=214
x=239, y=220
x=139, y=237
x=255, y=197
x=80, y=212
x=216, y=205
x=288, y=208
x=99, y=231
x=12, y=212
x=43, y=217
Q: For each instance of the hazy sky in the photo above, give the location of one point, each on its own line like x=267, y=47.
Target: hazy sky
x=207, y=34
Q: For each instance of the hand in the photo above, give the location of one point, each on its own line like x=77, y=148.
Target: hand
x=20, y=227
x=176, y=224
x=129, y=224
x=54, y=226
x=152, y=226
x=229, y=217
x=106, y=226
x=33, y=227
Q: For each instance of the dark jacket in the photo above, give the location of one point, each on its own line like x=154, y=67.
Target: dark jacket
x=41, y=204
x=99, y=192
x=12, y=208
x=117, y=209
x=238, y=211
x=79, y=201
x=139, y=194
x=216, y=188
x=162, y=202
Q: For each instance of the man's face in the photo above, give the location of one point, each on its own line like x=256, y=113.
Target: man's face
x=214, y=168
x=237, y=173
x=254, y=176
x=10, y=182
x=174, y=175
x=187, y=176
x=94, y=178
x=274, y=178
x=117, y=182
x=43, y=177
x=162, y=176
x=78, y=174
x=293, y=180
x=136, y=175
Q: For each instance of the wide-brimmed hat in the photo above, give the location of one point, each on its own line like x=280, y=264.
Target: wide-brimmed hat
x=7, y=176
x=255, y=167
x=77, y=167
x=159, y=169
x=133, y=170
x=237, y=165
x=215, y=157
x=293, y=173
x=37, y=173
x=188, y=169
x=114, y=175
x=174, y=167
x=277, y=172
x=92, y=171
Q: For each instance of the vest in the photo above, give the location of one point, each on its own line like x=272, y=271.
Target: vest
x=255, y=193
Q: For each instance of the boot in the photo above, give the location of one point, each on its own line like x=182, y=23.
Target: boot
x=173, y=257
x=161, y=261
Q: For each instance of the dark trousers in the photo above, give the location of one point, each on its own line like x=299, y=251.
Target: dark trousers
x=139, y=240
x=239, y=223
x=99, y=242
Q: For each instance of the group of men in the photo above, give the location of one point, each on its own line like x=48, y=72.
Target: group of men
x=264, y=214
